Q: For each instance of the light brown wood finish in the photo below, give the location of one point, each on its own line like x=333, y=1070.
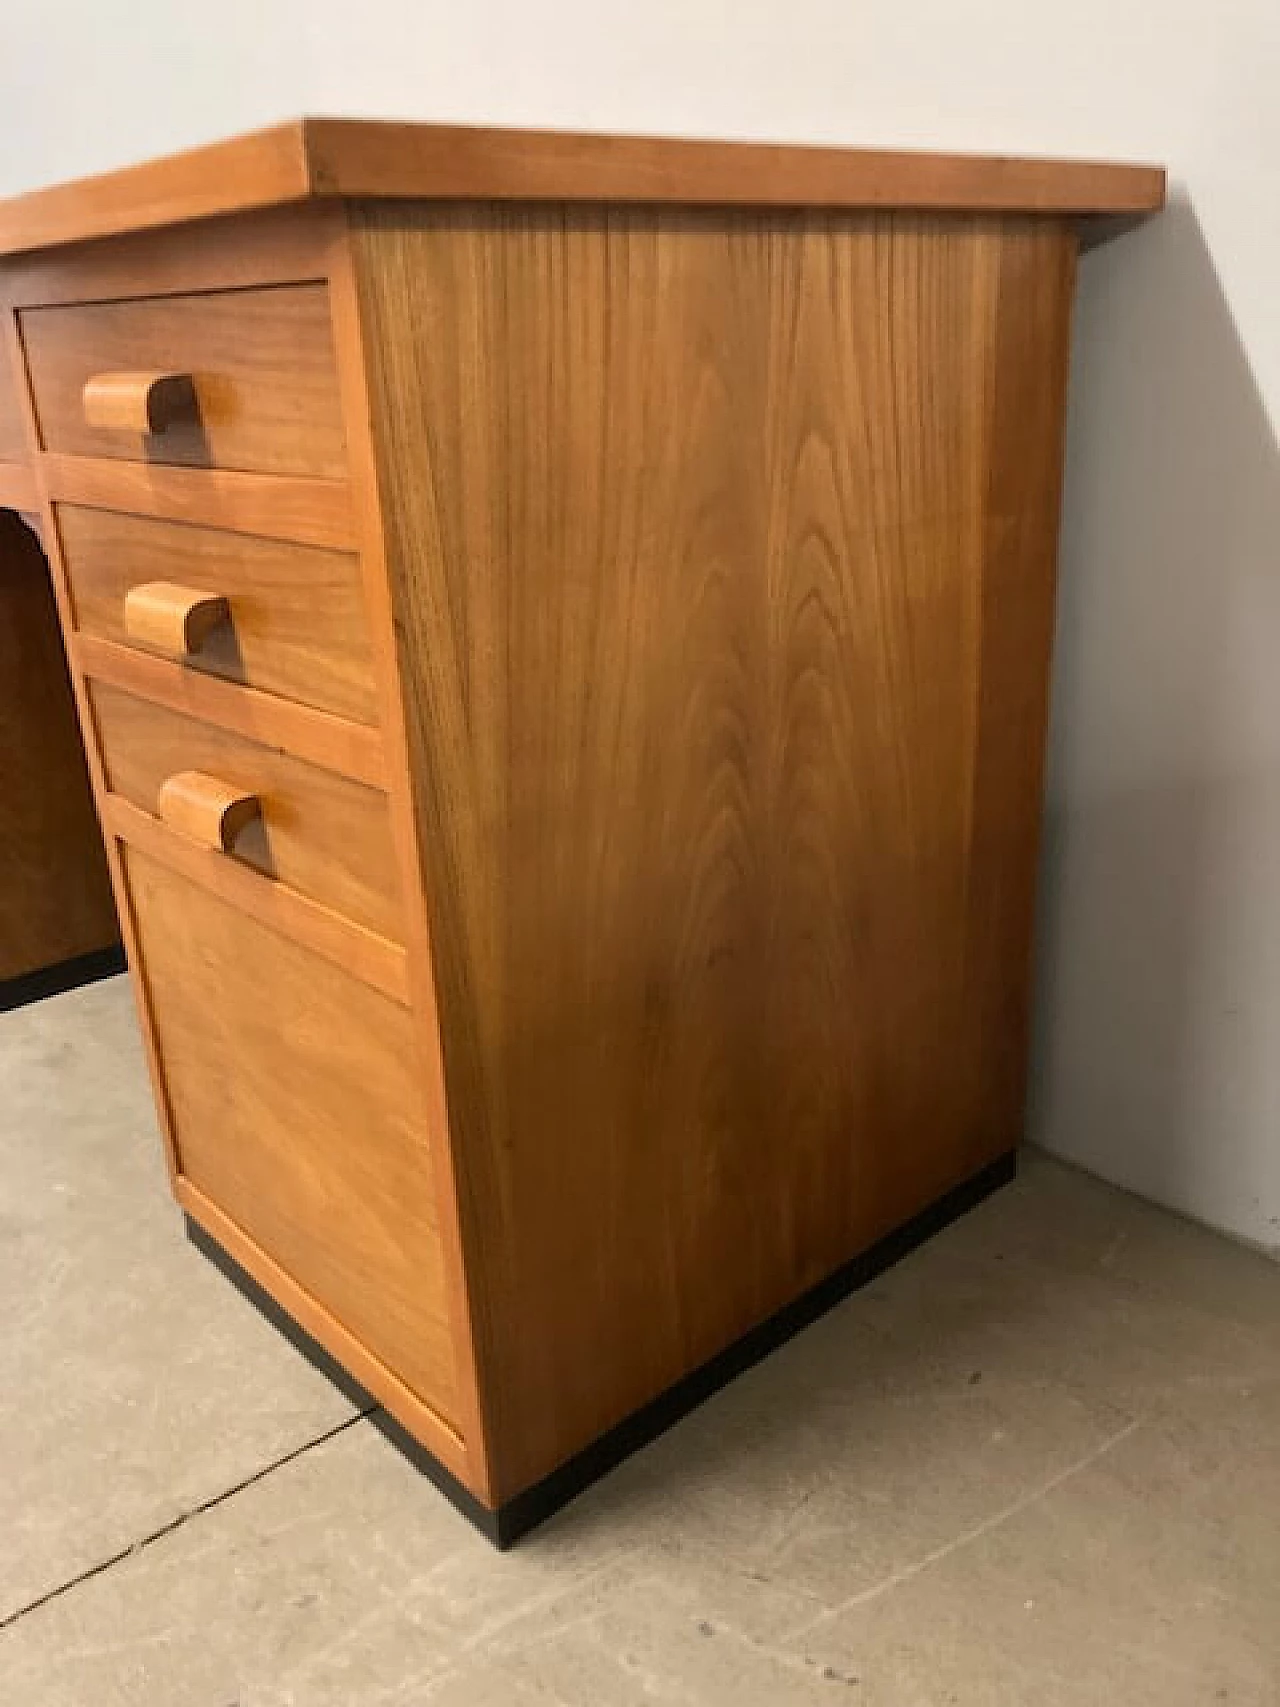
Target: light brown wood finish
x=264, y=168
x=314, y=830
x=439, y=1436
x=138, y=403
x=331, y=742
x=13, y=435
x=55, y=899
x=176, y=621
x=464, y=163
x=275, y=1061
x=307, y=512
x=277, y=246
x=362, y=953
x=208, y=810
x=349, y=334
x=644, y=707
x=18, y=490
x=343, y=157
x=690, y=575
x=261, y=367
x=296, y=623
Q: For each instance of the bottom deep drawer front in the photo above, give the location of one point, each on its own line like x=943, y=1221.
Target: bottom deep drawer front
x=296, y=1112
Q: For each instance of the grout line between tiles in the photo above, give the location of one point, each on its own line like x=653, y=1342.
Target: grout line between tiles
x=184, y=1517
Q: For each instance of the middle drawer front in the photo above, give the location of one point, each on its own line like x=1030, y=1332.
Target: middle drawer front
x=322, y=834
x=295, y=625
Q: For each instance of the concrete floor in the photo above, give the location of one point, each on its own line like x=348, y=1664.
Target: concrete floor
x=1038, y=1464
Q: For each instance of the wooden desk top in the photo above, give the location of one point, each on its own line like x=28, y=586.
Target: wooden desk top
x=313, y=158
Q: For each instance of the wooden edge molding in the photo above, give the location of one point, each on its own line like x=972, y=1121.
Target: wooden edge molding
x=426, y=1425
x=265, y=168
x=350, y=346
x=353, y=157
x=259, y=247
x=290, y=507
x=309, y=158
x=371, y=958
x=351, y=749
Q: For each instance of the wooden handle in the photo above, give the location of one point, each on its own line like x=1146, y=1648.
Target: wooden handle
x=138, y=402
x=172, y=618
x=210, y=812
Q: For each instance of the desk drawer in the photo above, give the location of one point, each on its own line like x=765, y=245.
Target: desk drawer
x=239, y=379
x=313, y=830
x=295, y=621
x=296, y=1112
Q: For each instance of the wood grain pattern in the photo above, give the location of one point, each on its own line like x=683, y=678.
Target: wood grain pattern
x=349, y=342
x=55, y=899
x=274, y=1061
x=317, y=832
x=309, y=512
x=459, y=162
x=261, y=367
x=361, y=953
x=332, y=157
x=297, y=625
x=315, y=736
x=692, y=577
x=278, y=245
x=264, y=168
x=436, y=1434
x=643, y=685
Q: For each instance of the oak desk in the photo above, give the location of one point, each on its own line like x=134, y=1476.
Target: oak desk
x=561, y=630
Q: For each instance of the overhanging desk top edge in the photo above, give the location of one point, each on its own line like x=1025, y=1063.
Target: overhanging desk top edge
x=310, y=159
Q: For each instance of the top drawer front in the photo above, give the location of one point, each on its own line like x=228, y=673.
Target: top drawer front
x=263, y=391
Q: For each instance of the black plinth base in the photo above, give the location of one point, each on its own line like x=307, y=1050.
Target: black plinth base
x=66, y=975
x=535, y=1504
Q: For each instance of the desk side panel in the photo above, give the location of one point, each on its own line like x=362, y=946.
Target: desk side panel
x=722, y=550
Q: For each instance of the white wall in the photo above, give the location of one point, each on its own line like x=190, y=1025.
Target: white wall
x=1158, y=1057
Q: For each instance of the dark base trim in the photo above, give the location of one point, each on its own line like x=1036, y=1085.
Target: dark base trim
x=66, y=975
x=486, y=1521
x=532, y=1507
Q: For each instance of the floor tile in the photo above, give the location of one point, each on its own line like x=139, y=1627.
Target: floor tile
x=133, y=1383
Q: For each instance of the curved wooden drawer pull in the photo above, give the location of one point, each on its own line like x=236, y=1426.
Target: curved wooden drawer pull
x=210, y=812
x=138, y=402
x=171, y=618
